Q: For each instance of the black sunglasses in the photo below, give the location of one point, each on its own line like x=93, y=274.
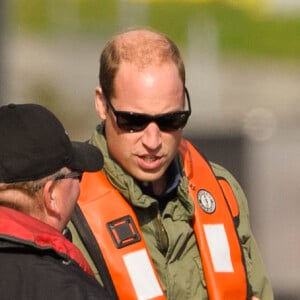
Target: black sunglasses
x=133, y=122
x=77, y=175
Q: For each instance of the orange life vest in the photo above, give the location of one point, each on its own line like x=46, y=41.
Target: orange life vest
x=218, y=241
x=115, y=228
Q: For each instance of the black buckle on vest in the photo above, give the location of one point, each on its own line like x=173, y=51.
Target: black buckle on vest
x=123, y=231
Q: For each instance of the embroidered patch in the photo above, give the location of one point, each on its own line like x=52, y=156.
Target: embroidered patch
x=206, y=201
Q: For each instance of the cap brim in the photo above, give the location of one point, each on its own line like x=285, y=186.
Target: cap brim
x=86, y=157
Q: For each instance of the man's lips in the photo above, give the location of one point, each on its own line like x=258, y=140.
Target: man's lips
x=149, y=162
x=149, y=158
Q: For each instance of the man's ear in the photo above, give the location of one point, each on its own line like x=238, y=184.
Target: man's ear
x=100, y=104
x=50, y=199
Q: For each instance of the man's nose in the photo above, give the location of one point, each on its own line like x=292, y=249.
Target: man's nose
x=152, y=136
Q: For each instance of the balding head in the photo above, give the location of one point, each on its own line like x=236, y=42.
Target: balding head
x=141, y=47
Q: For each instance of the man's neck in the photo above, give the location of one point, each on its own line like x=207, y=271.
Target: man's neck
x=159, y=186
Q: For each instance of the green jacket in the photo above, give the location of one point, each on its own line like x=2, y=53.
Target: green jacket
x=169, y=236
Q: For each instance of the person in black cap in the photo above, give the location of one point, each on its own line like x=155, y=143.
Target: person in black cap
x=40, y=170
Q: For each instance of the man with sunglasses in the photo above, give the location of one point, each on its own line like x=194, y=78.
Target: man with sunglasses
x=160, y=222
x=40, y=170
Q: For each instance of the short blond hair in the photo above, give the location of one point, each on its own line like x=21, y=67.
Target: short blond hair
x=142, y=47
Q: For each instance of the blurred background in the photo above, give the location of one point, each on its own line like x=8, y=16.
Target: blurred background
x=243, y=73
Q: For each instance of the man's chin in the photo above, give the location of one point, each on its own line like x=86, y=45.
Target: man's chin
x=150, y=176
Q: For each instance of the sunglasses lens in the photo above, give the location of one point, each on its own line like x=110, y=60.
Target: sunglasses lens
x=173, y=121
x=132, y=121
x=76, y=175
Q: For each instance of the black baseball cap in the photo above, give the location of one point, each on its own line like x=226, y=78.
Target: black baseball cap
x=34, y=144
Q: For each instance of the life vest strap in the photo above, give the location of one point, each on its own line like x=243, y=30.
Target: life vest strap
x=94, y=250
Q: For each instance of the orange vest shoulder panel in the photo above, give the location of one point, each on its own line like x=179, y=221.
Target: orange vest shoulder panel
x=225, y=279
x=104, y=209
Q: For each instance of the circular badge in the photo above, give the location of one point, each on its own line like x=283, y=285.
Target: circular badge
x=206, y=201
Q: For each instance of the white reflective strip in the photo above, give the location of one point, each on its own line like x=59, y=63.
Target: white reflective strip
x=219, y=247
x=141, y=274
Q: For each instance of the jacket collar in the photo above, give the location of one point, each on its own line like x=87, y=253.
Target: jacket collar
x=23, y=229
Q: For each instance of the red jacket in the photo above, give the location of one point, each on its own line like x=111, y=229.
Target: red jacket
x=38, y=262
